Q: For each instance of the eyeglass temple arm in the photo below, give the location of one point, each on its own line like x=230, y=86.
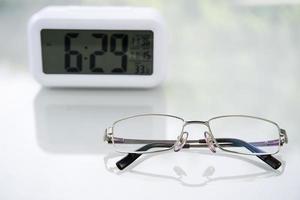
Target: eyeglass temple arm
x=268, y=159
x=131, y=157
x=202, y=143
x=109, y=137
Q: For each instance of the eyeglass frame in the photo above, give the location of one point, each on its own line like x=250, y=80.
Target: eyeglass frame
x=109, y=136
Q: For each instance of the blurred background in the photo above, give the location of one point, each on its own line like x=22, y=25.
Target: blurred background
x=219, y=46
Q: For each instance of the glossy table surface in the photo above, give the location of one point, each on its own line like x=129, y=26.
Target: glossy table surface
x=244, y=61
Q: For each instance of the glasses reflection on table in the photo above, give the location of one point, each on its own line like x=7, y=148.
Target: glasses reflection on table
x=204, y=170
x=73, y=121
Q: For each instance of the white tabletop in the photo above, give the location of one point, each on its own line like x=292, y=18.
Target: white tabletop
x=224, y=59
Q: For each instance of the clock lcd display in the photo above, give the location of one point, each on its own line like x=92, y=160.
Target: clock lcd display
x=97, y=52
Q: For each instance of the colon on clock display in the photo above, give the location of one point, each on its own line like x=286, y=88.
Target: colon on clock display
x=97, y=52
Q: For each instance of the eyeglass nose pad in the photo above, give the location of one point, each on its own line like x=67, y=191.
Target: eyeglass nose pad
x=181, y=140
x=209, y=141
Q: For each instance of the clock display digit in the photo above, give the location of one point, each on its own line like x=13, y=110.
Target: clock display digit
x=103, y=50
x=69, y=54
x=122, y=52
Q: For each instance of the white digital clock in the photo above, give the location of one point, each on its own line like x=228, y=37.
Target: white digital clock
x=75, y=46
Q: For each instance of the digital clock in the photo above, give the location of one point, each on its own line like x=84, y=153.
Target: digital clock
x=75, y=46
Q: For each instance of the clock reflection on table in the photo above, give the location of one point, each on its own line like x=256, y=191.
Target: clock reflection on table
x=73, y=121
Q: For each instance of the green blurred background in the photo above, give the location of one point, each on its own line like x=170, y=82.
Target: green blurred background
x=220, y=45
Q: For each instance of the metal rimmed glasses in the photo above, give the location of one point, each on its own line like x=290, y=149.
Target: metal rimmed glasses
x=152, y=133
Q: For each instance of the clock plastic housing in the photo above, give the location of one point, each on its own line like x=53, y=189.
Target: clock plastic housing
x=97, y=18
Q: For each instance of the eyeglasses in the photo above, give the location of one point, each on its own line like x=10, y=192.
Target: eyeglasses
x=152, y=133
